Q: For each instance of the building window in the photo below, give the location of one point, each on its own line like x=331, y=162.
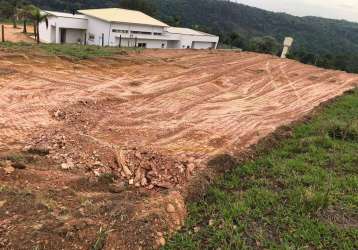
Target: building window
x=120, y=31
x=157, y=34
x=141, y=32
x=91, y=37
x=142, y=45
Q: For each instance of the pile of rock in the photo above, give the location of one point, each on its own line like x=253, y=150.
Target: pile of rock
x=149, y=169
x=138, y=167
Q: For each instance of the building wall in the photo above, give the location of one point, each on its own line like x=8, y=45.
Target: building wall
x=173, y=44
x=98, y=27
x=150, y=38
x=95, y=30
x=203, y=45
x=74, y=36
x=150, y=43
x=46, y=34
x=53, y=34
x=54, y=25
x=193, y=41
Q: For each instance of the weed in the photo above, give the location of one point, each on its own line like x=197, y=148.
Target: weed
x=39, y=151
x=46, y=201
x=19, y=160
x=101, y=239
x=106, y=178
x=86, y=202
x=4, y=189
x=12, y=157
x=343, y=130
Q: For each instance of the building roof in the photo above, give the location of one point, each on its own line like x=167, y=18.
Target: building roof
x=123, y=16
x=63, y=14
x=186, y=31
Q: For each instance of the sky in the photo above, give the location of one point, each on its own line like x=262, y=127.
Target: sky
x=337, y=9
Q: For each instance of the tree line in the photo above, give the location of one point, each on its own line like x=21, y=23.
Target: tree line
x=18, y=10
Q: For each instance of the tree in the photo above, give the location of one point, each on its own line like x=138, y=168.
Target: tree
x=9, y=9
x=175, y=21
x=25, y=13
x=266, y=44
x=37, y=16
x=235, y=40
x=141, y=5
x=303, y=56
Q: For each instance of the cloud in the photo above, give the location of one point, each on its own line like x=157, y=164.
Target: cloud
x=337, y=9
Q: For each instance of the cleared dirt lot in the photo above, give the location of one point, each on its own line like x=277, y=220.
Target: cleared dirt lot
x=196, y=103
x=159, y=114
x=16, y=34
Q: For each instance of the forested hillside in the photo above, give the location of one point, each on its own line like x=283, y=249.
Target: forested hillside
x=223, y=17
x=69, y=5
x=315, y=34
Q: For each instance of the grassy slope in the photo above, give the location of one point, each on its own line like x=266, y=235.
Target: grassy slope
x=70, y=50
x=303, y=194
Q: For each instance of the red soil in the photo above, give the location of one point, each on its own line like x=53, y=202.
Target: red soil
x=160, y=114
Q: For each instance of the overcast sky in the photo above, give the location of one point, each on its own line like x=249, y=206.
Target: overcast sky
x=338, y=9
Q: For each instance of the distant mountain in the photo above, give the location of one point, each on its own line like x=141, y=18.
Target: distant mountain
x=69, y=5
x=316, y=35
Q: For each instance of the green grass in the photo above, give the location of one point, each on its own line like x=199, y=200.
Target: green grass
x=302, y=194
x=80, y=51
x=73, y=51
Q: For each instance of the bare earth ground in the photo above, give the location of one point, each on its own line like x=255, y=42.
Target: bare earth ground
x=152, y=120
x=15, y=34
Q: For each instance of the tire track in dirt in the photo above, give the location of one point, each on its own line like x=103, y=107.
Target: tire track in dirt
x=163, y=113
x=177, y=102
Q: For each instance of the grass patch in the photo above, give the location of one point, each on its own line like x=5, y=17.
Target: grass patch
x=302, y=194
x=16, y=46
x=73, y=51
x=80, y=51
x=17, y=159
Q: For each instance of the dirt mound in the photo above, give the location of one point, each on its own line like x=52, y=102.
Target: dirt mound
x=72, y=147
x=138, y=167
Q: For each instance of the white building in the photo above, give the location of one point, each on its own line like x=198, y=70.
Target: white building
x=120, y=27
x=63, y=28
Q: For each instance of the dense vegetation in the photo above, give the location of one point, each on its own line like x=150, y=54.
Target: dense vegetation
x=347, y=62
x=300, y=194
